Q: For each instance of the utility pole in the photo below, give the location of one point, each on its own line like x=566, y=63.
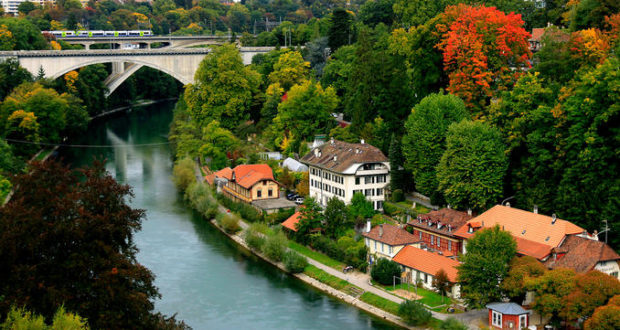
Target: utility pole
x=606, y=230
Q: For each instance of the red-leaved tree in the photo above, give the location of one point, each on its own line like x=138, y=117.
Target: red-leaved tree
x=484, y=50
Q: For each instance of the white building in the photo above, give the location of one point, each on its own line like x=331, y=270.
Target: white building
x=10, y=6
x=341, y=169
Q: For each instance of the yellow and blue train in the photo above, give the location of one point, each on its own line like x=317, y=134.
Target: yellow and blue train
x=100, y=33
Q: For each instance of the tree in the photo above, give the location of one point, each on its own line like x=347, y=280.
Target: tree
x=360, y=208
x=338, y=69
x=67, y=237
x=336, y=220
x=11, y=76
x=289, y=70
x=183, y=173
x=26, y=7
x=384, y=271
x=26, y=35
x=303, y=186
x=20, y=318
x=305, y=112
x=452, y=324
x=217, y=142
x=378, y=85
x=341, y=30
x=374, y=12
x=310, y=219
x=412, y=13
x=441, y=282
x=591, y=13
x=471, y=170
x=6, y=38
x=592, y=290
x=605, y=317
x=224, y=89
x=485, y=265
x=316, y=53
x=398, y=177
x=5, y=188
x=551, y=290
x=425, y=139
x=414, y=313
x=521, y=268
x=481, y=47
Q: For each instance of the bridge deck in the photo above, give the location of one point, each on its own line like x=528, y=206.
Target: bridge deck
x=105, y=52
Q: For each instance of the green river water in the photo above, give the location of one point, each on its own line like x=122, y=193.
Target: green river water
x=202, y=276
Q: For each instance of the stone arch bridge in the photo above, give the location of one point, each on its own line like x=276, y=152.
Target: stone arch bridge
x=180, y=63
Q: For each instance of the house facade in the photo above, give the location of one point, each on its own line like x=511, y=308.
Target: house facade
x=342, y=169
x=385, y=241
x=507, y=315
x=248, y=183
x=436, y=230
x=421, y=266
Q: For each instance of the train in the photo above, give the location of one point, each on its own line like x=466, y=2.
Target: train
x=100, y=33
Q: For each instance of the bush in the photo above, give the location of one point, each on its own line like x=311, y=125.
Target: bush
x=183, y=173
x=294, y=262
x=413, y=313
x=398, y=196
x=280, y=216
x=384, y=271
x=275, y=246
x=254, y=240
x=229, y=222
x=346, y=250
x=246, y=211
x=452, y=324
x=201, y=199
x=389, y=208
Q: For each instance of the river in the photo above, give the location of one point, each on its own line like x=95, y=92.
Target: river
x=202, y=276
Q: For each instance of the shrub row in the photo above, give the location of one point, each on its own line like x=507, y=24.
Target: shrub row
x=229, y=222
x=246, y=211
x=346, y=250
x=274, y=246
x=201, y=199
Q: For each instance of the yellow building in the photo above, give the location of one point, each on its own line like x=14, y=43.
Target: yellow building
x=385, y=241
x=248, y=183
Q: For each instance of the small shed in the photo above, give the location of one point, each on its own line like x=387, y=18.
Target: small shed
x=294, y=165
x=508, y=315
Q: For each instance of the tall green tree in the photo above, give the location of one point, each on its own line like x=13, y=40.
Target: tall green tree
x=216, y=142
x=485, y=265
x=425, y=139
x=26, y=35
x=91, y=88
x=374, y=12
x=338, y=69
x=398, y=176
x=290, y=69
x=471, y=170
x=360, y=209
x=412, y=13
x=336, y=220
x=224, y=89
x=521, y=269
x=310, y=219
x=341, y=30
x=67, y=238
x=11, y=76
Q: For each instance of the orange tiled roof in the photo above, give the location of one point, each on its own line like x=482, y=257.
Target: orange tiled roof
x=532, y=249
x=427, y=262
x=224, y=173
x=582, y=254
x=526, y=225
x=392, y=235
x=248, y=175
x=292, y=221
x=447, y=217
x=537, y=34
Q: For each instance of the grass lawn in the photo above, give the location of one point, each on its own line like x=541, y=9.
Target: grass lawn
x=320, y=257
x=429, y=298
x=419, y=209
x=380, y=302
x=323, y=277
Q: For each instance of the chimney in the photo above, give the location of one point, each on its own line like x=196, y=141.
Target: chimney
x=331, y=141
x=316, y=152
x=508, y=204
x=449, y=228
x=469, y=212
x=449, y=206
x=380, y=230
x=367, y=226
x=536, y=209
x=362, y=141
x=554, y=218
x=335, y=158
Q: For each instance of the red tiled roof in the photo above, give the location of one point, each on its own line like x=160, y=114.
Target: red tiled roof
x=392, y=235
x=582, y=254
x=527, y=225
x=532, y=249
x=248, y=175
x=427, y=262
x=224, y=173
x=210, y=178
x=292, y=221
x=446, y=217
x=537, y=34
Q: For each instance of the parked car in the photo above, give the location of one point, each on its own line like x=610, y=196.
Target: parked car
x=291, y=196
x=299, y=200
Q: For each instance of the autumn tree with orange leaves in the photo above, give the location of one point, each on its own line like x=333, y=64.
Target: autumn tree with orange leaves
x=484, y=51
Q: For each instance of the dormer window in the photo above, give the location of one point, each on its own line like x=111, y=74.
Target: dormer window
x=547, y=239
x=523, y=232
x=470, y=230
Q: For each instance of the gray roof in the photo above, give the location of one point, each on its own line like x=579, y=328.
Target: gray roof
x=294, y=165
x=508, y=308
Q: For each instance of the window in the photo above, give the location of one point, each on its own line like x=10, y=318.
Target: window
x=438, y=241
x=369, y=179
x=425, y=277
x=449, y=245
x=390, y=249
x=369, y=192
x=264, y=183
x=379, y=191
x=379, y=205
x=381, y=247
x=375, y=245
x=614, y=274
x=522, y=321
x=496, y=319
x=432, y=239
x=357, y=180
x=270, y=192
x=380, y=178
x=259, y=193
x=420, y=235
